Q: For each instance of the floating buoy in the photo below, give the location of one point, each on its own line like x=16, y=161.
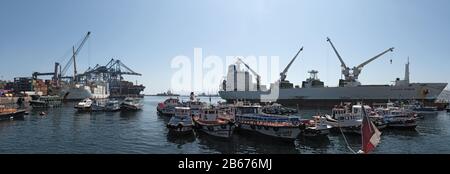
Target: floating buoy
x=42, y=113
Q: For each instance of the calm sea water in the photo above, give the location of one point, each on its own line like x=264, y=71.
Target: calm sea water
x=63, y=130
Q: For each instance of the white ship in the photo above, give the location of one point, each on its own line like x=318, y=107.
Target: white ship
x=82, y=91
x=313, y=93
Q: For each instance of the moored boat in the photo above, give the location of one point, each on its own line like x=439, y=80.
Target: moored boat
x=251, y=118
x=168, y=106
x=398, y=118
x=11, y=113
x=181, y=122
x=346, y=120
x=98, y=105
x=45, y=101
x=215, y=122
x=84, y=105
x=112, y=106
x=316, y=127
x=132, y=104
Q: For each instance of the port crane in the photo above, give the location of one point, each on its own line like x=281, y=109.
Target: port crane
x=73, y=60
x=60, y=74
x=283, y=74
x=258, y=77
x=113, y=70
x=351, y=75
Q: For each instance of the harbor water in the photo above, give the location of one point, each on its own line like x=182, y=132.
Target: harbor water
x=63, y=130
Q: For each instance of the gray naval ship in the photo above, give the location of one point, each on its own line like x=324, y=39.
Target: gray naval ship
x=313, y=93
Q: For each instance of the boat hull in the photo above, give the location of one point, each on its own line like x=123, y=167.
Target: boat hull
x=289, y=133
x=17, y=115
x=218, y=130
x=330, y=96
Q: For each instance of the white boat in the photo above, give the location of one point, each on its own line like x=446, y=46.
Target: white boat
x=215, y=122
x=84, y=105
x=398, y=118
x=112, y=105
x=131, y=104
x=181, y=122
x=97, y=90
x=168, y=106
x=316, y=127
x=251, y=118
x=347, y=120
x=423, y=111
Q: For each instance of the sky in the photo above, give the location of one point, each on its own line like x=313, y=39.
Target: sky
x=147, y=34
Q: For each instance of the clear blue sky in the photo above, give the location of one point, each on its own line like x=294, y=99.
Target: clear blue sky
x=146, y=35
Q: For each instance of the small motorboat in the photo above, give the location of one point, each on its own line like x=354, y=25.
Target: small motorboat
x=181, y=122
x=396, y=117
x=168, y=106
x=84, y=105
x=112, y=106
x=315, y=127
x=131, y=104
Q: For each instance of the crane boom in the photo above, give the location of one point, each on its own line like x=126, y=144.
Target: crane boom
x=337, y=54
x=75, y=53
x=373, y=58
x=283, y=74
x=248, y=67
x=258, y=78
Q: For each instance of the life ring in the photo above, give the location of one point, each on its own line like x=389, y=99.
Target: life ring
x=210, y=128
x=259, y=127
x=223, y=126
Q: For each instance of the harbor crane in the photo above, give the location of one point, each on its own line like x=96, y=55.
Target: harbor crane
x=258, y=77
x=73, y=60
x=283, y=74
x=351, y=75
x=114, y=69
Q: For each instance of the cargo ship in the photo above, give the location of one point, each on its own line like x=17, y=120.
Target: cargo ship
x=313, y=93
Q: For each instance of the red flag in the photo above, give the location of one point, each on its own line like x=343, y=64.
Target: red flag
x=370, y=134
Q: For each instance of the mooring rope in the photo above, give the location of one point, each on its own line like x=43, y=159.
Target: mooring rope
x=345, y=139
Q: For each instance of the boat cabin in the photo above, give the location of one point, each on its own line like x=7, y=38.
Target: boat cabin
x=343, y=113
x=182, y=112
x=172, y=101
x=209, y=114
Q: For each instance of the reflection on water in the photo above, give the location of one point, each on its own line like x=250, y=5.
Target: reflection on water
x=180, y=139
x=69, y=131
